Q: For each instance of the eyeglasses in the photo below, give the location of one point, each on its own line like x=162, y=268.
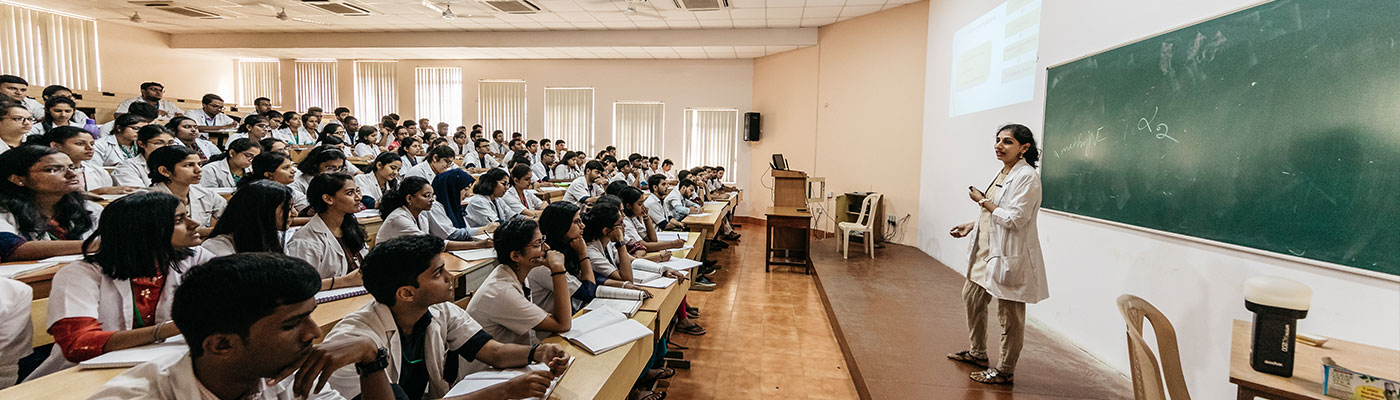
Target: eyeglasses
x=60, y=169
x=538, y=243
x=263, y=126
x=23, y=120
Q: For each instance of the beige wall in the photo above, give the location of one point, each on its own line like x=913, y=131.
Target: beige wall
x=130, y=56
x=856, y=103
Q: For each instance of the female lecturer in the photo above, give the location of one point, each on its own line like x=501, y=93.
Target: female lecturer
x=1005, y=260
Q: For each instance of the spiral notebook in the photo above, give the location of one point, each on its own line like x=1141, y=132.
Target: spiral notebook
x=337, y=294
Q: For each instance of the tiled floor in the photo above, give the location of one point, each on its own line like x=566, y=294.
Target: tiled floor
x=768, y=335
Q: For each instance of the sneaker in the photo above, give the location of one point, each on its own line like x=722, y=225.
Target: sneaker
x=702, y=286
x=704, y=280
x=732, y=236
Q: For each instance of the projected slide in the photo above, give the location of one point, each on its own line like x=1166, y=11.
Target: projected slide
x=994, y=58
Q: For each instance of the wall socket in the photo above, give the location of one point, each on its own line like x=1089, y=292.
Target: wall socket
x=891, y=220
x=830, y=194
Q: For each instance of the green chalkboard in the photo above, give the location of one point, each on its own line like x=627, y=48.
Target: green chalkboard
x=1276, y=127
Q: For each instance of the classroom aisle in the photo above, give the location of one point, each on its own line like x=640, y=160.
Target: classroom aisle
x=768, y=335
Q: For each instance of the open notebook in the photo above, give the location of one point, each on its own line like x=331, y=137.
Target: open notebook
x=484, y=379
x=475, y=254
x=136, y=355
x=651, y=279
x=603, y=330
x=337, y=294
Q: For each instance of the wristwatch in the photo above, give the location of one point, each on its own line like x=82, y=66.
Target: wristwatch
x=381, y=361
x=984, y=200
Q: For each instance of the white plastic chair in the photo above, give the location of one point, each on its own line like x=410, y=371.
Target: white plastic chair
x=1147, y=372
x=863, y=225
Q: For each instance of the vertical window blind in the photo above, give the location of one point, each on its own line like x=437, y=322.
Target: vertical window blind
x=438, y=94
x=259, y=78
x=568, y=115
x=638, y=127
x=501, y=105
x=46, y=48
x=376, y=92
x=712, y=137
x=315, y=85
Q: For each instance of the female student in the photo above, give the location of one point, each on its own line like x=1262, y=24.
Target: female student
x=43, y=212
x=134, y=171
x=119, y=297
x=638, y=228
x=1005, y=261
x=254, y=127
x=226, y=169
x=187, y=132
x=274, y=145
x=256, y=220
x=565, y=169
x=51, y=92
x=500, y=305
x=367, y=144
x=306, y=133
x=319, y=160
x=333, y=130
x=488, y=204
x=562, y=226
x=411, y=149
x=15, y=122
x=383, y=175
x=520, y=201
x=58, y=111
x=333, y=242
x=277, y=167
x=450, y=187
x=602, y=233
x=406, y=212
x=439, y=159
x=175, y=170
x=121, y=144
x=77, y=144
x=291, y=125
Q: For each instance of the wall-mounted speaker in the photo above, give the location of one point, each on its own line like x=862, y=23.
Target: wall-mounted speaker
x=752, y=127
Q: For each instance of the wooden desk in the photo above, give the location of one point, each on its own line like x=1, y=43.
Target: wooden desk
x=610, y=375
x=664, y=302
x=1306, y=382
x=789, y=238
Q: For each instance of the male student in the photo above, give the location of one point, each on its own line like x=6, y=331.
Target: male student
x=413, y=316
x=559, y=147
x=587, y=188
x=339, y=117
x=15, y=88
x=411, y=126
x=262, y=105
x=247, y=320
x=624, y=174
x=499, y=146
x=543, y=171
x=533, y=147
x=517, y=147
x=152, y=93
x=482, y=161
x=661, y=215
x=678, y=201
x=210, y=117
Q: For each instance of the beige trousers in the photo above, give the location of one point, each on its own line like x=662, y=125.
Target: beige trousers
x=1011, y=314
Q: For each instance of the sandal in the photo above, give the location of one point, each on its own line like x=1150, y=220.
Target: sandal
x=991, y=377
x=651, y=395
x=693, y=312
x=692, y=329
x=967, y=357
x=660, y=373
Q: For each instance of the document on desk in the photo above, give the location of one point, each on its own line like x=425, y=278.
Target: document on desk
x=475, y=254
x=628, y=307
x=700, y=215
x=651, y=279
x=484, y=379
x=603, y=330
x=681, y=264
x=552, y=189
x=136, y=355
x=370, y=213
x=13, y=270
x=715, y=203
x=665, y=236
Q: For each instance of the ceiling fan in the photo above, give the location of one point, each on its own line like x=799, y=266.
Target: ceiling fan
x=638, y=8
x=445, y=8
x=136, y=18
x=282, y=15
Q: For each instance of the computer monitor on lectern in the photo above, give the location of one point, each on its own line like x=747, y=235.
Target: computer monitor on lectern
x=779, y=164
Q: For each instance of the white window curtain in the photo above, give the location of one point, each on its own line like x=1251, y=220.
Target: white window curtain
x=259, y=78
x=376, y=93
x=46, y=48
x=712, y=137
x=638, y=127
x=568, y=115
x=501, y=105
x=438, y=94
x=315, y=84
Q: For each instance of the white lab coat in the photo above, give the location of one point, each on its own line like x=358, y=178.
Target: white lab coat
x=94, y=176
x=16, y=331
x=518, y=204
x=422, y=170
x=481, y=161
x=81, y=290
x=315, y=244
x=481, y=210
x=401, y=222
x=656, y=209
x=369, y=186
x=219, y=119
x=170, y=109
x=218, y=174
x=366, y=150
x=108, y=152
x=132, y=172
x=204, y=205
x=562, y=171
x=172, y=377
x=580, y=189
x=1015, y=267
x=450, y=329
x=205, y=148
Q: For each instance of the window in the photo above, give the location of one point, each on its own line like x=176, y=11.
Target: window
x=315, y=84
x=712, y=137
x=568, y=115
x=439, y=94
x=376, y=92
x=48, y=48
x=259, y=78
x=501, y=105
x=638, y=127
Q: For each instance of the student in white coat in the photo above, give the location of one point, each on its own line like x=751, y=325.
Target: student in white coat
x=291, y=125
x=77, y=144
x=412, y=316
x=383, y=175
x=562, y=226
x=450, y=188
x=333, y=242
x=187, y=132
x=566, y=170
x=121, y=143
x=367, y=143
x=501, y=306
x=226, y=169
x=586, y=188
x=58, y=112
x=488, y=202
x=480, y=160
x=256, y=220
x=175, y=170
x=134, y=171
x=247, y=321
x=254, y=127
x=43, y=211
x=406, y=211
x=119, y=297
x=438, y=159
x=319, y=160
x=277, y=167
x=608, y=255
x=660, y=214
x=1005, y=260
x=16, y=329
x=520, y=195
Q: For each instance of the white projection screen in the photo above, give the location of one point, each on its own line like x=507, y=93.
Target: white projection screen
x=994, y=58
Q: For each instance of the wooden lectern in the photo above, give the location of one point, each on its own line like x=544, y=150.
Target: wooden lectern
x=789, y=189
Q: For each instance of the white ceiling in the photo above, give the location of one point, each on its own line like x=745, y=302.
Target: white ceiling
x=411, y=15
x=514, y=53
